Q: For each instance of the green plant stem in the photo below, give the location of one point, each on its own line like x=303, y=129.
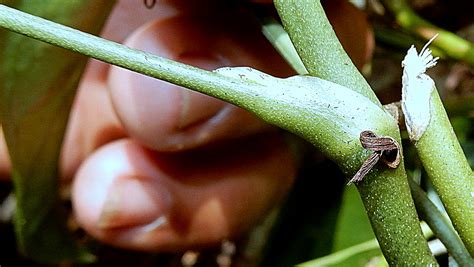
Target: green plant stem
x=402, y=40
x=279, y=38
x=385, y=193
x=337, y=258
x=451, y=44
x=448, y=170
x=328, y=115
x=318, y=46
x=440, y=226
x=111, y=52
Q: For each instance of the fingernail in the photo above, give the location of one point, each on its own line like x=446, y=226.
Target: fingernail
x=197, y=107
x=158, y=223
x=134, y=202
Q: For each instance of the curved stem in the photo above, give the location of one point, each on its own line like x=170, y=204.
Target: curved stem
x=385, y=193
x=339, y=257
x=451, y=44
x=114, y=53
x=440, y=226
x=328, y=115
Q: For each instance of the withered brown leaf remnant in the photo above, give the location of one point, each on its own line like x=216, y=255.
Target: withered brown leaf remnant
x=384, y=147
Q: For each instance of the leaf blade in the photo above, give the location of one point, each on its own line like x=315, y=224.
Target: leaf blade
x=37, y=87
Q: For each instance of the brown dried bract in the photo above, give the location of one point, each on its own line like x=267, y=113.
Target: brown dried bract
x=384, y=147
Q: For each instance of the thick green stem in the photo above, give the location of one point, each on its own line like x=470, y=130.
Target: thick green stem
x=451, y=44
x=448, y=170
x=318, y=46
x=385, y=193
x=328, y=115
x=392, y=215
x=440, y=225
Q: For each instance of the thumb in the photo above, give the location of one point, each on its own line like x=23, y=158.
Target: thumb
x=166, y=117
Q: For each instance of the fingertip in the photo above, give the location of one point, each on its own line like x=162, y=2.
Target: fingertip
x=166, y=117
x=109, y=192
x=5, y=164
x=134, y=198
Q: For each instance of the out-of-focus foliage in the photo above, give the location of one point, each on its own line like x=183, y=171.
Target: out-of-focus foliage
x=37, y=87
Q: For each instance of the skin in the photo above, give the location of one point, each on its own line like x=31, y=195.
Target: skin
x=156, y=167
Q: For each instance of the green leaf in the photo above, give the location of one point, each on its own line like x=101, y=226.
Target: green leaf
x=37, y=87
x=306, y=223
x=353, y=226
x=353, y=242
x=280, y=39
x=440, y=225
x=363, y=254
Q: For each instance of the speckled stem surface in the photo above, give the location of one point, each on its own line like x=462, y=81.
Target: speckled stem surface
x=448, y=170
x=385, y=193
x=329, y=115
x=318, y=46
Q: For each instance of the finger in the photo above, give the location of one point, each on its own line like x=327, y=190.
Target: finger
x=167, y=117
x=134, y=198
x=92, y=121
x=5, y=165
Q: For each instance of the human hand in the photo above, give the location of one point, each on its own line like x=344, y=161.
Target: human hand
x=162, y=168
